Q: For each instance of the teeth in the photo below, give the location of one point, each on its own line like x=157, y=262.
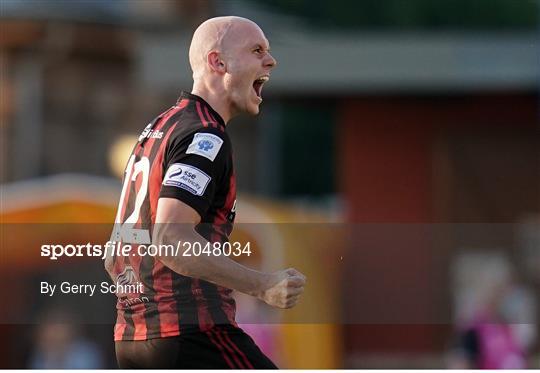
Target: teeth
x=262, y=79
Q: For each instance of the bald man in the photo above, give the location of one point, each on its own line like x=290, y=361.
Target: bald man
x=179, y=190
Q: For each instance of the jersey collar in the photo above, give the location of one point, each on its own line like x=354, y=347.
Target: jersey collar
x=190, y=96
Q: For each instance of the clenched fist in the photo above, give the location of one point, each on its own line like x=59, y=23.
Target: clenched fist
x=284, y=288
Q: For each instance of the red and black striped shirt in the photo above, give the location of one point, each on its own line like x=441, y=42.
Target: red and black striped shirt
x=184, y=153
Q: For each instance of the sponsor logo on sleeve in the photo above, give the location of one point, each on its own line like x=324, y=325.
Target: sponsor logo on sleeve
x=206, y=145
x=187, y=177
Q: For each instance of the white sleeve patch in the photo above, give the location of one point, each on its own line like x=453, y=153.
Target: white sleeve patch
x=187, y=177
x=206, y=145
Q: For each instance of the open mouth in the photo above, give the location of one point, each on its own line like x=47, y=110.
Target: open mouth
x=258, y=84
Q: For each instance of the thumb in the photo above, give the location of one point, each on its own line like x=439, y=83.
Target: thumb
x=294, y=272
x=296, y=281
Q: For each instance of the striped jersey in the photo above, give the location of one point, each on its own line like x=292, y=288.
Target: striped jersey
x=184, y=153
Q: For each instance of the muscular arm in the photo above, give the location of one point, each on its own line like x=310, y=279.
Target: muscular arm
x=176, y=221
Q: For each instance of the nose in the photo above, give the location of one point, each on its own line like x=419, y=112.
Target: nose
x=270, y=61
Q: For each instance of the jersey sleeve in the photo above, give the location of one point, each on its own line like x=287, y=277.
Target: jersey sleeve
x=194, y=167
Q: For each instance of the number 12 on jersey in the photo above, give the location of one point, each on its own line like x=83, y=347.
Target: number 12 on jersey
x=123, y=230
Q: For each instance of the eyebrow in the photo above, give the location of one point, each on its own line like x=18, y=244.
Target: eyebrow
x=258, y=45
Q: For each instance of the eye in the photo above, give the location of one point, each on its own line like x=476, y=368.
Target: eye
x=258, y=50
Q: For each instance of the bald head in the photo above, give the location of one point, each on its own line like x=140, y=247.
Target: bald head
x=218, y=34
x=231, y=61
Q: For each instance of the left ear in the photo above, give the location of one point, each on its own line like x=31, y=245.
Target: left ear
x=216, y=63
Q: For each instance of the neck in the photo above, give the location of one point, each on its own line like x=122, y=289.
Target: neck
x=214, y=99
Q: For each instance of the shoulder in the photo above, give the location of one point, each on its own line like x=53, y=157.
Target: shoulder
x=207, y=142
x=197, y=131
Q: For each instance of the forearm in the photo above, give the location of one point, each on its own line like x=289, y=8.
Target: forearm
x=220, y=270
